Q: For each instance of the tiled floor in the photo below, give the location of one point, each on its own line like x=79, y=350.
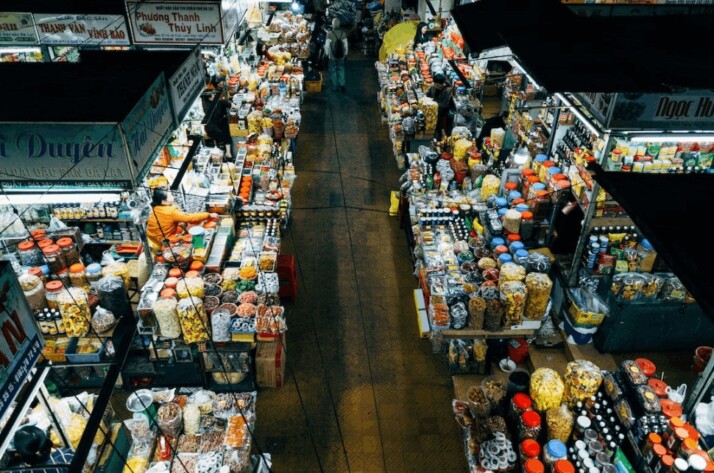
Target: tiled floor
x=363, y=392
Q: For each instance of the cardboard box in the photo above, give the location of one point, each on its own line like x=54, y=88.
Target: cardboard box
x=270, y=362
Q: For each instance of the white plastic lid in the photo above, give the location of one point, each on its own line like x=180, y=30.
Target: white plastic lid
x=697, y=462
x=681, y=464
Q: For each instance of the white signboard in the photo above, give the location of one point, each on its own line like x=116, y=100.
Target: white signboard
x=692, y=110
x=90, y=30
x=187, y=83
x=17, y=29
x=175, y=23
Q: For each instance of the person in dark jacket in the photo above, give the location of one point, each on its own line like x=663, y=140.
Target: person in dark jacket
x=499, y=121
x=421, y=35
x=568, y=226
x=441, y=93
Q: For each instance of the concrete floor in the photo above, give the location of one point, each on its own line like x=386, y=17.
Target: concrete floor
x=363, y=392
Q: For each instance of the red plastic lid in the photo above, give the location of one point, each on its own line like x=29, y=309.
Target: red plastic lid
x=558, y=177
x=671, y=409
x=527, y=172
x=533, y=179
x=534, y=466
x=35, y=271
x=513, y=237
x=531, y=419
x=530, y=448
x=522, y=401
x=647, y=367
x=563, y=466
x=693, y=433
x=501, y=249
x=38, y=233
x=65, y=242
x=526, y=215
x=48, y=250
x=45, y=243
x=26, y=245
x=548, y=164
x=654, y=438
x=510, y=186
x=54, y=286
x=563, y=184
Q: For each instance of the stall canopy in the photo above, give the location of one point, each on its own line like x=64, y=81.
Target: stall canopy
x=666, y=208
x=564, y=51
x=92, y=125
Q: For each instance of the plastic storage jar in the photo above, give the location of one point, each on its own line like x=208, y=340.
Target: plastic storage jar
x=29, y=254
x=530, y=450
x=69, y=249
x=52, y=291
x=554, y=450
x=55, y=258
x=78, y=276
x=37, y=271
x=563, y=466
x=529, y=425
x=94, y=274
x=534, y=466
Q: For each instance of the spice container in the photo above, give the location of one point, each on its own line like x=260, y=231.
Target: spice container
x=529, y=425
x=539, y=286
x=52, y=291
x=29, y=254
x=530, y=450
x=94, y=274
x=554, y=450
x=55, y=258
x=34, y=291
x=75, y=312
x=78, y=277
x=69, y=250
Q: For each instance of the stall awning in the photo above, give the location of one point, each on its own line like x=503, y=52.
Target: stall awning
x=566, y=52
x=671, y=210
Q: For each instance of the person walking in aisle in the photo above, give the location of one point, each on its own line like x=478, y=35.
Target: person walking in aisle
x=336, y=48
x=441, y=93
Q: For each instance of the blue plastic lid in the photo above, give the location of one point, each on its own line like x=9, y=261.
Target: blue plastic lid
x=94, y=268
x=553, y=170
x=516, y=246
x=538, y=186
x=45, y=269
x=497, y=241
x=501, y=202
x=522, y=253
x=646, y=244
x=505, y=258
x=502, y=211
x=522, y=207
x=556, y=449
x=541, y=157
x=514, y=195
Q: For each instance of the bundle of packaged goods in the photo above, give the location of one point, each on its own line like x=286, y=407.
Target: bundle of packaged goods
x=291, y=33
x=661, y=157
x=189, y=431
x=585, y=420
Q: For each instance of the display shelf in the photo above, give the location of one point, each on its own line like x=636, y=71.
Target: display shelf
x=466, y=333
x=99, y=220
x=610, y=221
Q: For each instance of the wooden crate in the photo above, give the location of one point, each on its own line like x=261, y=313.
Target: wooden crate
x=314, y=86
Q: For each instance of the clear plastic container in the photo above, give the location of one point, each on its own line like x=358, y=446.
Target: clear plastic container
x=29, y=254
x=529, y=425
x=554, y=450
x=55, y=258
x=75, y=312
x=78, y=277
x=94, y=274
x=70, y=250
x=52, y=291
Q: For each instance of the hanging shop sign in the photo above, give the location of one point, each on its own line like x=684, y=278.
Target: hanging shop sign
x=39, y=155
x=186, y=83
x=230, y=15
x=87, y=30
x=692, y=110
x=175, y=22
x=148, y=124
x=17, y=29
x=20, y=343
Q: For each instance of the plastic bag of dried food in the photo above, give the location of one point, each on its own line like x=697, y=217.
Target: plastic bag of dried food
x=538, y=263
x=632, y=373
x=651, y=286
x=495, y=391
x=193, y=319
x=539, y=286
x=489, y=186
x=478, y=402
x=167, y=317
x=624, y=413
x=190, y=287
x=647, y=400
x=612, y=385
x=559, y=421
x=477, y=310
x=512, y=272
x=112, y=295
x=480, y=348
x=546, y=389
x=582, y=380
x=673, y=290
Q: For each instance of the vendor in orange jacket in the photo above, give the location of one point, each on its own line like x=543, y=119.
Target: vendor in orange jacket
x=166, y=217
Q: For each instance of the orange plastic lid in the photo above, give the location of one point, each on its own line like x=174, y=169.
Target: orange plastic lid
x=209, y=225
x=530, y=448
x=563, y=466
x=513, y=237
x=45, y=243
x=541, y=194
x=174, y=238
x=510, y=186
x=563, y=184
x=675, y=422
x=35, y=271
x=534, y=466
x=647, y=367
x=65, y=242
x=171, y=282
x=693, y=433
x=527, y=172
x=38, y=233
x=518, y=201
x=48, y=250
x=558, y=177
x=681, y=432
x=187, y=238
x=196, y=266
x=654, y=438
x=168, y=293
x=192, y=274
x=26, y=245
x=690, y=445
x=548, y=164
x=76, y=268
x=175, y=273
x=527, y=215
x=659, y=450
x=667, y=460
x=54, y=286
x=531, y=418
x=658, y=386
x=500, y=249
x=533, y=179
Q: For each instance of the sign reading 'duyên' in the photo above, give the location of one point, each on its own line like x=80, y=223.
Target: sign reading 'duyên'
x=67, y=30
x=33, y=155
x=175, y=23
x=20, y=344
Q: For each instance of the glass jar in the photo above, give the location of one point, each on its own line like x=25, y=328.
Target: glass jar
x=44, y=243
x=530, y=450
x=680, y=466
x=554, y=450
x=55, y=258
x=665, y=464
x=675, y=441
x=78, y=277
x=52, y=291
x=94, y=274
x=70, y=251
x=674, y=423
x=541, y=205
x=529, y=425
x=520, y=403
x=29, y=254
x=582, y=423
x=650, y=441
x=527, y=225
x=34, y=292
x=42, y=324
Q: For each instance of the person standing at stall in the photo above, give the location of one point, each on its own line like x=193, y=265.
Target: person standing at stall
x=165, y=218
x=336, y=48
x=421, y=36
x=441, y=93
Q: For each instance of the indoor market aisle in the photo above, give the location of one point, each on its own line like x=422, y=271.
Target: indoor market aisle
x=370, y=395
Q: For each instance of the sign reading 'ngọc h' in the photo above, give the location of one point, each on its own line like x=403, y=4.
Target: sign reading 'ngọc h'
x=34, y=155
x=692, y=110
